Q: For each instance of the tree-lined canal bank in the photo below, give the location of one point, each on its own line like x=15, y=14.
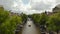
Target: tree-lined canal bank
x=30, y=28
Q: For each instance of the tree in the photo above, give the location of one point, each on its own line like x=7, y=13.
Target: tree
x=54, y=22
x=8, y=23
x=36, y=18
x=3, y=15
x=43, y=18
x=24, y=17
x=40, y=18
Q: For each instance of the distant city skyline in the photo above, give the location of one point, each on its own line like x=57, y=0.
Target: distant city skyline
x=29, y=6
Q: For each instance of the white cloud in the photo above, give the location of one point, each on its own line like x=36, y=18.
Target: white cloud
x=34, y=6
x=49, y=1
x=35, y=1
x=42, y=5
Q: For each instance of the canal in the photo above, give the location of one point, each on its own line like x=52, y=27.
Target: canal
x=30, y=28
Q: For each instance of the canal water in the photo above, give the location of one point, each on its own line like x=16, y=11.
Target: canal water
x=30, y=28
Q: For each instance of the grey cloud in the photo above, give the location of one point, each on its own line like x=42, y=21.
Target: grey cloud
x=7, y=4
x=41, y=6
x=58, y=1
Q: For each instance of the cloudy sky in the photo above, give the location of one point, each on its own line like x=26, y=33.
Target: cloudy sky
x=29, y=6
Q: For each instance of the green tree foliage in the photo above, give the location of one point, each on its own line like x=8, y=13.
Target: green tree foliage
x=24, y=17
x=36, y=18
x=3, y=15
x=8, y=23
x=43, y=18
x=40, y=18
x=54, y=22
